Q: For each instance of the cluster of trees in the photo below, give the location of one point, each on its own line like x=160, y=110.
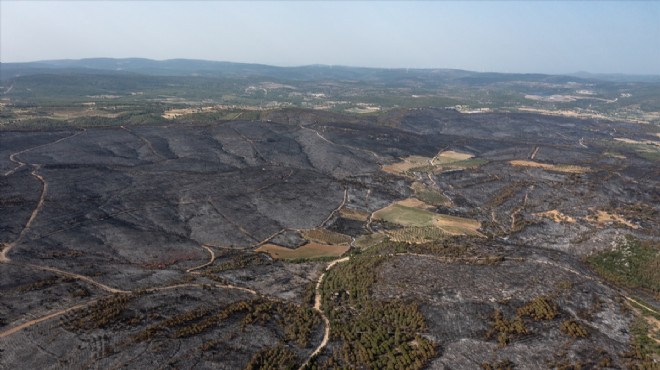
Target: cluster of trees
x=297, y=323
x=505, y=330
x=276, y=358
x=175, y=321
x=242, y=261
x=371, y=333
x=574, y=329
x=539, y=308
x=105, y=312
x=41, y=284
x=446, y=246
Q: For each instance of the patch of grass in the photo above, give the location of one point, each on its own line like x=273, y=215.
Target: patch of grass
x=653, y=156
x=644, y=348
x=430, y=196
x=632, y=263
x=406, y=216
x=469, y=163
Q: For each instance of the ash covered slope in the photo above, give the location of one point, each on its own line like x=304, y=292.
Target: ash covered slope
x=103, y=211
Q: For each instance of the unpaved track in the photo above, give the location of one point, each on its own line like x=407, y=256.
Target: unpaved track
x=52, y=315
x=317, y=307
x=343, y=202
x=3, y=255
x=342, y=145
x=79, y=277
x=642, y=305
x=27, y=324
x=581, y=142
x=536, y=150
x=210, y=262
x=20, y=164
x=145, y=141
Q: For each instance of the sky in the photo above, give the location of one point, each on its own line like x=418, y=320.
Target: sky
x=516, y=36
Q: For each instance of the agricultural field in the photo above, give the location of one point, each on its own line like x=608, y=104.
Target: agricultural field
x=411, y=213
x=310, y=250
x=430, y=196
x=407, y=164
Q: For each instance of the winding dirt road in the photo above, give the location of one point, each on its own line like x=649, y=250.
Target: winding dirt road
x=343, y=202
x=317, y=307
x=3, y=255
x=27, y=324
x=79, y=277
x=210, y=262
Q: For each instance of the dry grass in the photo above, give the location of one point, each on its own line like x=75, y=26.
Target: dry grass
x=602, y=217
x=550, y=167
x=450, y=156
x=311, y=250
x=414, y=203
x=406, y=164
x=458, y=225
x=556, y=216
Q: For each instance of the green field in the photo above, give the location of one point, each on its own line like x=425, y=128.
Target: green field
x=406, y=216
x=417, y=217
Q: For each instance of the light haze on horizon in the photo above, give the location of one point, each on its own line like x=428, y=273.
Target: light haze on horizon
x=526, y=37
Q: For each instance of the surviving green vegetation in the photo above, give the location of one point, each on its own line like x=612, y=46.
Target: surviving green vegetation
x=407, y=216
x=297, y=323
x=645, y=349
x=430, y=196
x=632, y=262
x=371, y=333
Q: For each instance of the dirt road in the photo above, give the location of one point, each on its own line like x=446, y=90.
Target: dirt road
x=317, y=307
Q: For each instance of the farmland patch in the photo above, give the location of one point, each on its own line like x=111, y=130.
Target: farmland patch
x=311, y=250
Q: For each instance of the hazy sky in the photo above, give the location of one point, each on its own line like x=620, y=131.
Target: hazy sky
x=518, y=36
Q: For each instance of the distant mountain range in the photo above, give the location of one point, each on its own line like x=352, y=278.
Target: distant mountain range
x=204, y=68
